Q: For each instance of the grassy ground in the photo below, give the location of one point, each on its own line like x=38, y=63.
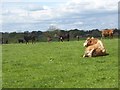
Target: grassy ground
x=59, y=65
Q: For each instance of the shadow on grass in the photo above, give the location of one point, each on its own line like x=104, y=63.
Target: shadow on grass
x=96, y=56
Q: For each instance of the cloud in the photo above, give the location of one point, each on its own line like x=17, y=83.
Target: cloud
x=34, y=1
x=70, y=14
x=78, y=23
x=80, y=7
x=34, y=7
x=88, y=6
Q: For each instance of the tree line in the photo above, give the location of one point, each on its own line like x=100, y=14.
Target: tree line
x=42, y=36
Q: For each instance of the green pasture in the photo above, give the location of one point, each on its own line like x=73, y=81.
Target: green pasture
x=58, y=65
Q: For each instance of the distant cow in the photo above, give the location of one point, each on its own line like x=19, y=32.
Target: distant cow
x=4, y=41
x=78, y=37
x=64, y=36
x=107, y=33
x=27, y=38
x=94, y=47
x=49, y=39
x=20, y=40
x=61, y=38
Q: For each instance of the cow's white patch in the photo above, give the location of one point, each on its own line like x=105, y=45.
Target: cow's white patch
x=101, y=44
x=85, y=43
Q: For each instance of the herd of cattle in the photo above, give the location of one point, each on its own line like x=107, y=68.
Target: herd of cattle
x=32, y=38
x=93, y=46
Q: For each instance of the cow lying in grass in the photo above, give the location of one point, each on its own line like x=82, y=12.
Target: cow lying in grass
x=94, y=47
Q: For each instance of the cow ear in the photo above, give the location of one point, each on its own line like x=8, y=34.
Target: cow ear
x=92, y=37
x=88, y=38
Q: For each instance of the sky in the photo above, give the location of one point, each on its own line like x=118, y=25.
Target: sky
x=40, y=15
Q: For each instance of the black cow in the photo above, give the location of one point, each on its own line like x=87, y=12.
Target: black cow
x=61, y=38
x=4, y=41
x=64, y=36
x=20, y=40
x=27, y=38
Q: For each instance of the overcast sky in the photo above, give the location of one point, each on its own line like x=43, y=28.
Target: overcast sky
x=21, y=15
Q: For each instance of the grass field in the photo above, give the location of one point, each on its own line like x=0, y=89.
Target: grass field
x=58, y=65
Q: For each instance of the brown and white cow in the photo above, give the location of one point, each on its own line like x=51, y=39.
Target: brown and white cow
x=49, y=39
x=94, y=47
x=107, y=33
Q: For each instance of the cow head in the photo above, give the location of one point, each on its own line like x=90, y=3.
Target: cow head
x=90, y=41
